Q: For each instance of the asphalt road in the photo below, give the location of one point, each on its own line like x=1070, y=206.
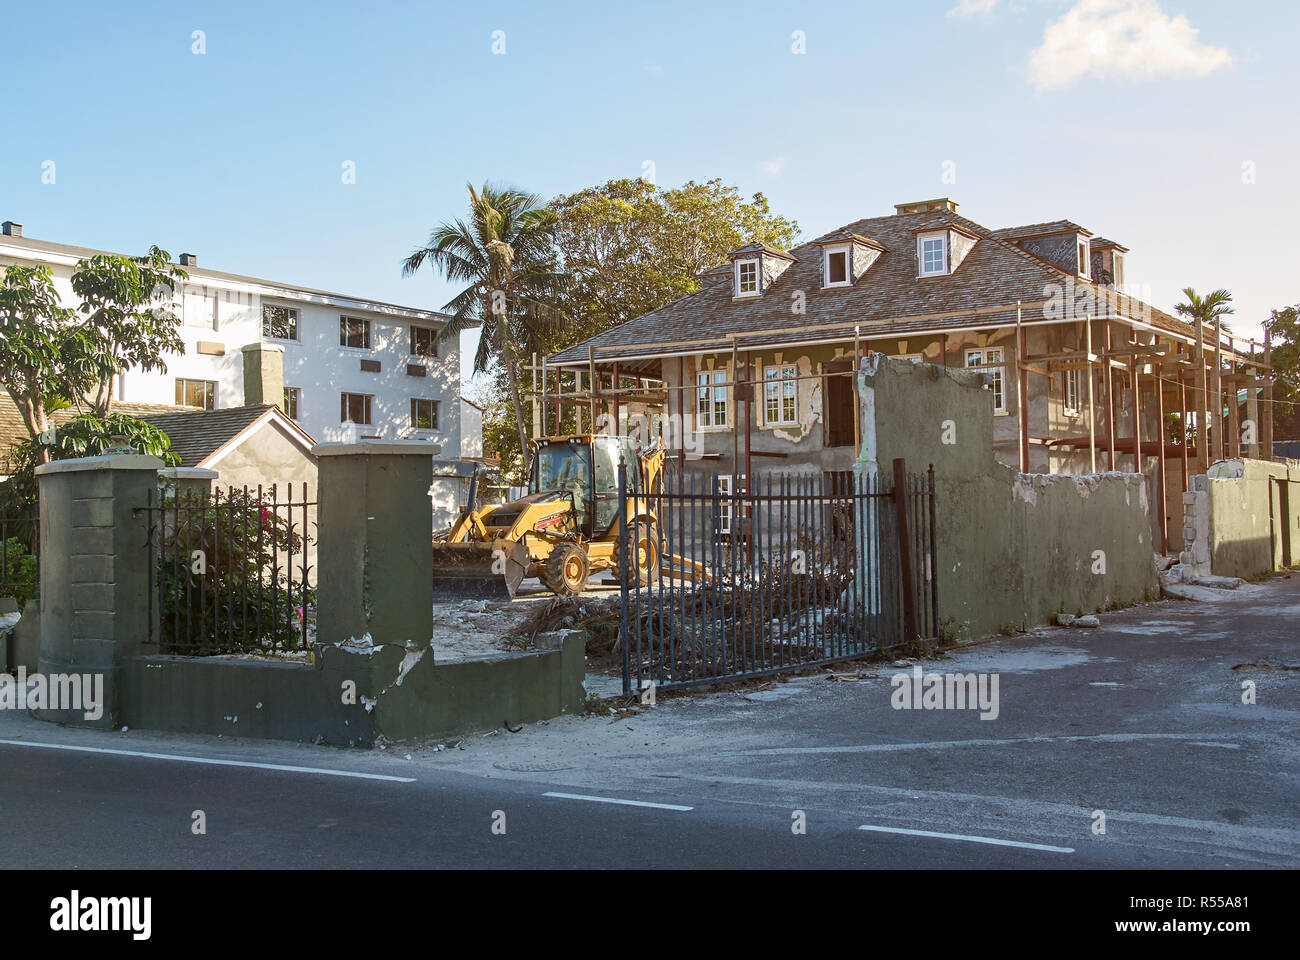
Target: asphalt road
x=1141, y=721
x=95, y=811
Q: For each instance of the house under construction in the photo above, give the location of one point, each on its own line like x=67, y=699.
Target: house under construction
x=755, y=371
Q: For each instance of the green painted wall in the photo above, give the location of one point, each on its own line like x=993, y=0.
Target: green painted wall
x=95, y=576
x=1013, y=550
x=1254, y=516
x=484, y=693
x=306, y=702
x=375, y=564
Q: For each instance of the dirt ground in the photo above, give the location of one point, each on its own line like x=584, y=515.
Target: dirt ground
x=470, y=628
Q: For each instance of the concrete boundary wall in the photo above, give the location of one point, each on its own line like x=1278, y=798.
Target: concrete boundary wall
x=1013, y=549
x=350, y=697
x=373, y=672
x=1243, y=519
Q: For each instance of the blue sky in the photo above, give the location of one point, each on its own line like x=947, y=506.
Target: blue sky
x=237, y=154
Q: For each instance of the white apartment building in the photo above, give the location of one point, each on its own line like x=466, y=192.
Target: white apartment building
x=353, y=368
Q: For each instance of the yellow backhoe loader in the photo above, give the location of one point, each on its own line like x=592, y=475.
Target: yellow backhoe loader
x=564, y=530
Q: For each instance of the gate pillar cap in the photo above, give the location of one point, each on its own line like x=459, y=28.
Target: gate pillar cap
x=111, y=461
x=189, y=473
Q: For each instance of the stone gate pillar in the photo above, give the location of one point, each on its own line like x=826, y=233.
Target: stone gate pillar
x=375, y=550
x=97, y=590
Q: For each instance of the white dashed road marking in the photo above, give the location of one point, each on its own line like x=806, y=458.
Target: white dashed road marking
x=626, y=803
x=961, y=836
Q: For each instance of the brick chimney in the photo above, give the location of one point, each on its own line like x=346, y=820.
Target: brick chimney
x=11, y=229
x=263, y=374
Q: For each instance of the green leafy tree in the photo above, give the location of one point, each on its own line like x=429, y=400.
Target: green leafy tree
x=85, y=435
x=632, y=247
x=52, y=356
x=1284, y=329
x=125, y=306
x=18, y=578
x=45, y=357
x=629, y=247
x=504, y=254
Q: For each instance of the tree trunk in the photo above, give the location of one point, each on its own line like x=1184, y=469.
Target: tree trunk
x=32, y=410
x=512, y=379
x=103, y=404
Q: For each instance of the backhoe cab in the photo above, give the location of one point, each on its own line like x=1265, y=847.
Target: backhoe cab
x=564, y=530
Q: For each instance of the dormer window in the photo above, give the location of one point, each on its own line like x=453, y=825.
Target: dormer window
x=932, y=254
x=837, y=267
x=746, y=278
x=1119, y=269
x=1083, y=258
x=757, y=267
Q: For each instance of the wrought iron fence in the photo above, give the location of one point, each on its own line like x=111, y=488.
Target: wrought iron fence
x=20, y=568
x=735, y=580
x=233, y=572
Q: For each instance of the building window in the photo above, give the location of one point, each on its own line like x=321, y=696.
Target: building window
x=424, y=414
x=1083, y=258
x=747, y=278
x=197, y=311
x=354, y=332
x=781, y=394
x=837, y=268
x=290, y=406
x=711, y=399
x=724, y=502
x=1072, y=392
x=990, y=359
x=196, y=393
x=355, y=408
x=424, y=342
x=1119, y=269
x=279, y=323
x=933, y=252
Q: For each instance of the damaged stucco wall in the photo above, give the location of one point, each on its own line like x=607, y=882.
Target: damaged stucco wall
x=1014, y=549
x=353, y=693
x=796, y=448
x=1246, y=518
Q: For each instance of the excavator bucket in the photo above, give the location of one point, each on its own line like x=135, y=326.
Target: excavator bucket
x=478, y=570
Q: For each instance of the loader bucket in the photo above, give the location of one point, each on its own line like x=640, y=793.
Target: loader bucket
x=478, y=571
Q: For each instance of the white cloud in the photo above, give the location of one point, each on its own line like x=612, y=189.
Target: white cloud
x=1131, y=39
x=774, y=166
x=970, y=8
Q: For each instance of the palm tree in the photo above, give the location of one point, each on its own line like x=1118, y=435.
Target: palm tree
x=505, y=255
x=1207, y=309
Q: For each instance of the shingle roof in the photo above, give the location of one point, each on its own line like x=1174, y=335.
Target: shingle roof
x=13, y=429
x=1040, y=230
x=888, y=300
x=197, y=434
x=760, y=248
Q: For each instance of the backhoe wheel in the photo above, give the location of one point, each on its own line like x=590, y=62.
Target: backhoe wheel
x=566, y=570
x=643, y=561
